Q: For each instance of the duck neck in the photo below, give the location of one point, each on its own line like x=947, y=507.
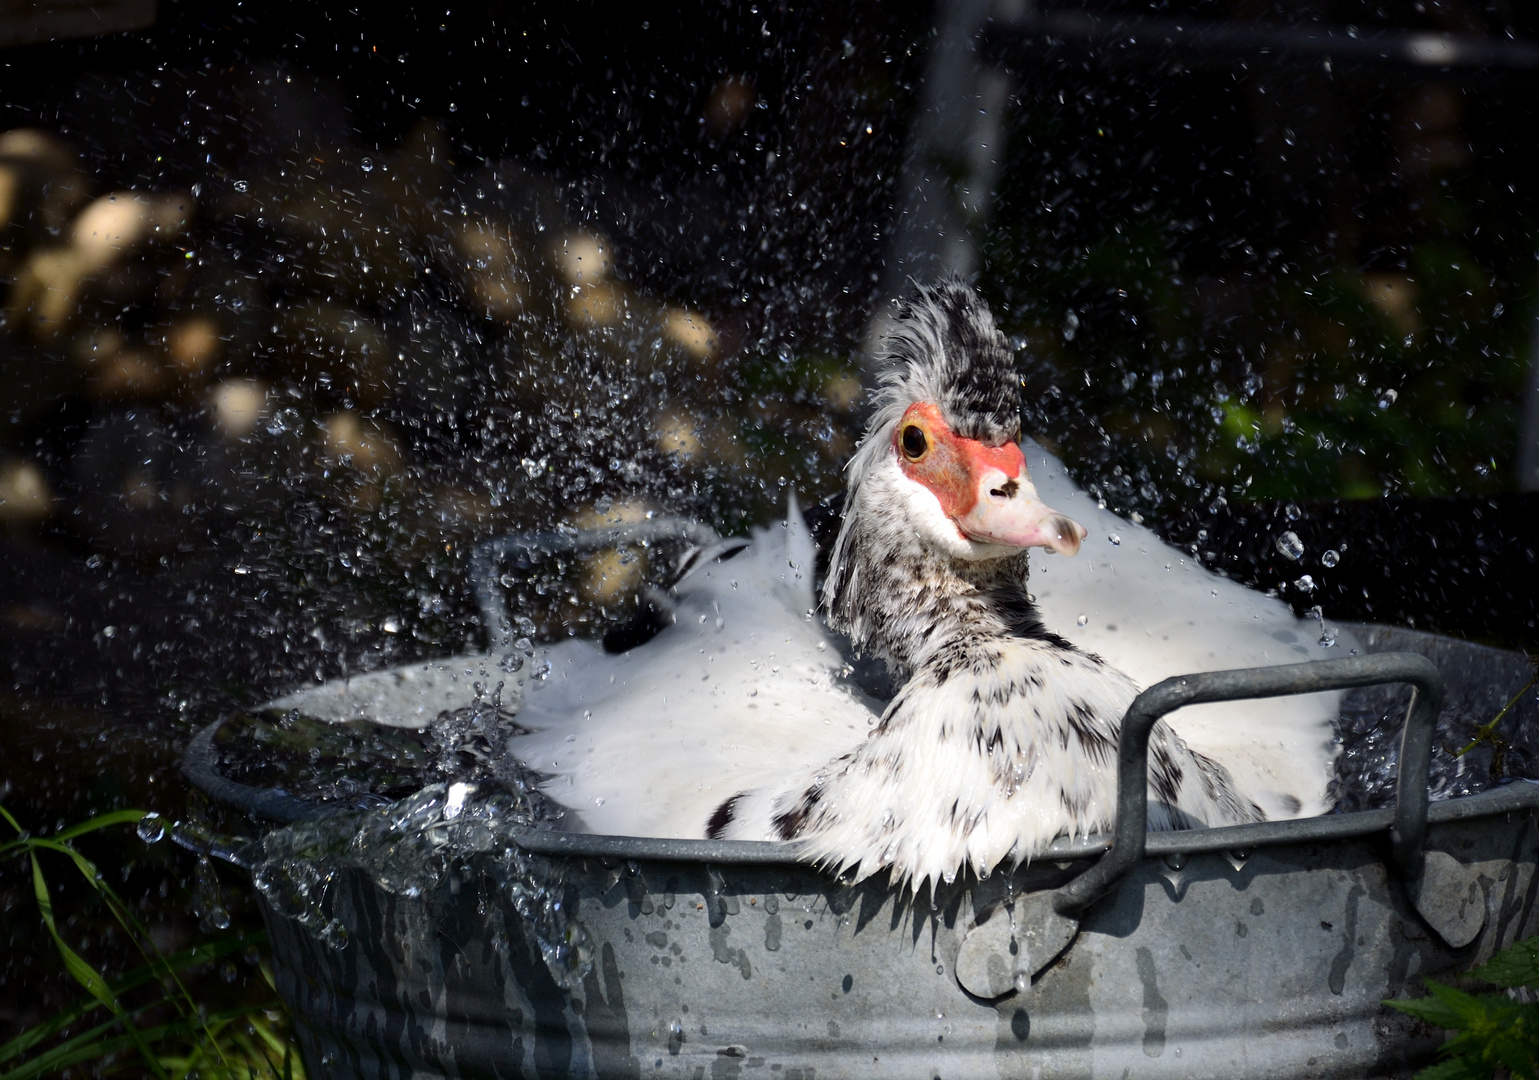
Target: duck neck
x=906, y=602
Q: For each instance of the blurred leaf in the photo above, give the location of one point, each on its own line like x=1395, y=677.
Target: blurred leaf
x=1490, y=1030
x=1516, y=965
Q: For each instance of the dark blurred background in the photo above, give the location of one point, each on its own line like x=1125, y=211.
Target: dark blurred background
x=302, y=302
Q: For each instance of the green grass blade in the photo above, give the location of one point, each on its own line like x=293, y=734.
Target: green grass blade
x=210, y=1046
x=196, y=956
x=75, y=1042
x=100, y=821
x=182, y=1002
x=76, y=1051
x=83, y=972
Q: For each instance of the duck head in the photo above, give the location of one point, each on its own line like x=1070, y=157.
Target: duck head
x=982, y=491
x=938, y=484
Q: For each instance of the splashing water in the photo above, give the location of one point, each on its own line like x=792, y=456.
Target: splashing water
x=415, y=847
x=416, y=812
x=1370, y=726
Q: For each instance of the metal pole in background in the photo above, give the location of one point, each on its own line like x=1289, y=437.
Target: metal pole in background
x=946, y=186
x=953, y=157
x=1528, y=433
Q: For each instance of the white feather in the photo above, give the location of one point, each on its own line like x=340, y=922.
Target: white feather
x=1153, y=611
x=745, y=685
x=922, y=798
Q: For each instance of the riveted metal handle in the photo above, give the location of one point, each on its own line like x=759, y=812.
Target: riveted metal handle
x=1410, y=822
x=524, y=548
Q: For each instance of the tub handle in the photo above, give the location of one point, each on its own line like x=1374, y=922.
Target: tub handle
x=1409, y=826
x=524, y=548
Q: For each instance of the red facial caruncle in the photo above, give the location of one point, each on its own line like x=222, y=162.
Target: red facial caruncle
x=983, y=489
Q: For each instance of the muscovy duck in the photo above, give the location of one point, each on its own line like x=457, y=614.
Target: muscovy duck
x=739, y=720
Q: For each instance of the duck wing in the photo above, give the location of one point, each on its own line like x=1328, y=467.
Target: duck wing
x=971, y=767
x=743, y=685
x=1153, y=611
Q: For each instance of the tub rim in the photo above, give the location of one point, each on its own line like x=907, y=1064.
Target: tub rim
x=279, y=808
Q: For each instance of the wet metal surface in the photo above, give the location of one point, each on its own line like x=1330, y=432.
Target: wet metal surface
x=1253, y=951
x=1269, y=965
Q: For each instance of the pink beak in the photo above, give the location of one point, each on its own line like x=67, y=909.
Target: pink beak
x=1008, y=513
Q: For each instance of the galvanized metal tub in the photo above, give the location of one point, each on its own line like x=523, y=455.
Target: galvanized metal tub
x=1256, y=951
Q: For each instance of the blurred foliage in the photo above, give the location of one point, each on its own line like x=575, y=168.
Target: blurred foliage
x=1492, y=1032
x=1207, y=309
x=145, y=1021
x=328, y=376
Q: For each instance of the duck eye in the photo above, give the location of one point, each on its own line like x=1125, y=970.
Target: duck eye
x=914, y=443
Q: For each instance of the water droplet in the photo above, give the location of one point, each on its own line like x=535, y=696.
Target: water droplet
x=1115, y=540
x=1327, y=639
x=1289, y=546
x=1305, y=584
x=1388, y=398
x=367, y=164
x=1022, y=981
x=511, y=662
x=334, y=934
x=1082, y=620
x=1292, y=512
x=152, y=828
x=242, y=186
x=1330, y=558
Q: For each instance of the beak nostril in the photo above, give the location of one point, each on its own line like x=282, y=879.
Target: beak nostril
x=998, y=494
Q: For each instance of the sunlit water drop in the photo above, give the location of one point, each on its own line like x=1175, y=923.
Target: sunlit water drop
x=152, y=828
x=1289, y=546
